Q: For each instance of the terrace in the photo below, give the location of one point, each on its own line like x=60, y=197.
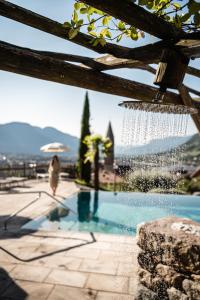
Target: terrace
x=58, y=264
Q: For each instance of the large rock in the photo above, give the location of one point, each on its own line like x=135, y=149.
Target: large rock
x=175, y=240
x=154, y=283
x=144, y=293
x=192, y=289
x=170, y=276
x=148, y=261
x=196, y=278
x=175, y=294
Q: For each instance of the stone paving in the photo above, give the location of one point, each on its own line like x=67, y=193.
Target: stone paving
x=62, y=265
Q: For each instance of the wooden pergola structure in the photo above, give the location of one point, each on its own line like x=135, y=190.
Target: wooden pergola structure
x=59, y=67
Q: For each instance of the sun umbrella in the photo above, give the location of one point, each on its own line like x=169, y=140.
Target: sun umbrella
x=54, y=147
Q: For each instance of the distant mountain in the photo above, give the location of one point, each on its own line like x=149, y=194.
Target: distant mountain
x=193, y=142
x=22, y=138
x=192, y=148
x=155, y=146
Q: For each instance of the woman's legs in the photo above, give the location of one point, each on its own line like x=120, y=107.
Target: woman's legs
x=54, y=190
x=53, y=185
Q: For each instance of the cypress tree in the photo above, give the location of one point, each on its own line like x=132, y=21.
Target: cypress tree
x=84, y=168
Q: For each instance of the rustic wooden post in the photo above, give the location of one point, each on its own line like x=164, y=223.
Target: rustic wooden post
x=171, y=69
x=188, y=101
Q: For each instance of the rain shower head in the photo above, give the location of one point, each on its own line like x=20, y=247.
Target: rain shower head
x=159, y=108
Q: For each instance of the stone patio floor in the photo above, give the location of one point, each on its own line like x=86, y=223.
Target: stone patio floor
x=61, y=265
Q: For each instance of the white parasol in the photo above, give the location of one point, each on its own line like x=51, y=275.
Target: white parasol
x=54, y=147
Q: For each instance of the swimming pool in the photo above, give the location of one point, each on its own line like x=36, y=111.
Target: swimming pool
x=115, y=213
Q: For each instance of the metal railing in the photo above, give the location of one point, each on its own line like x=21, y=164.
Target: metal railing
x=32, y=202
x=28, y=170
x=93, y=240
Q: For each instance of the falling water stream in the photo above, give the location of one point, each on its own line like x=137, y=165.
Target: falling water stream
x=154, y=170
x=140, y=127
x=143, y=127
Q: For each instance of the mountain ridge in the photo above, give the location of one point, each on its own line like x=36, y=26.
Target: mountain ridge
x=154, y=146
x=24, y=138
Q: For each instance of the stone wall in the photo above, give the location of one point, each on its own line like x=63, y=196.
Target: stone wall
x=169, y=260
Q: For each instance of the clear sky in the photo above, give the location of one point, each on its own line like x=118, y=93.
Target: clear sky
x=44, y=103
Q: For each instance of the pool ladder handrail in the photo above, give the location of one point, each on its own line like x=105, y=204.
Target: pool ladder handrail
x=32, y=202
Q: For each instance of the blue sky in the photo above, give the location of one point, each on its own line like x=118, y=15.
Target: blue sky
x=44, y=103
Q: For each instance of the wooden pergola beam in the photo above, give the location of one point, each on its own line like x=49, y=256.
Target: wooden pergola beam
x=27, y=17
x=193, y=71
x=193, y=52
x=26, y=62
x=107, y=62
x=190, y=44
x=191, y=36
x=147, y=54
x=187, y=100
x=84, y=60
x=137, y=16
x=193, y=91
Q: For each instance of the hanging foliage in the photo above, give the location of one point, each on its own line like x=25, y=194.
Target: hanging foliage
x=184, y=15
x=97, y=145
x=94, y=142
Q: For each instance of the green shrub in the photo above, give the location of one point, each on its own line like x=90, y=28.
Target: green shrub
x=183, y=185
x=194, y=185
x=146, y=181
x=189, y=185
x=117, y=187
x=81, y=182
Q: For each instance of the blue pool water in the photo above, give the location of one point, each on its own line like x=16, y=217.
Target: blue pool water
x=116, y=213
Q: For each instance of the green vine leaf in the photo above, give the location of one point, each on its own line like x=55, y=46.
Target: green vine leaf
x=72, y=33
x=184, y=15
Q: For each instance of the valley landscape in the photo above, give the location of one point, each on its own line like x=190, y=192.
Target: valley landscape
x=15, y=142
